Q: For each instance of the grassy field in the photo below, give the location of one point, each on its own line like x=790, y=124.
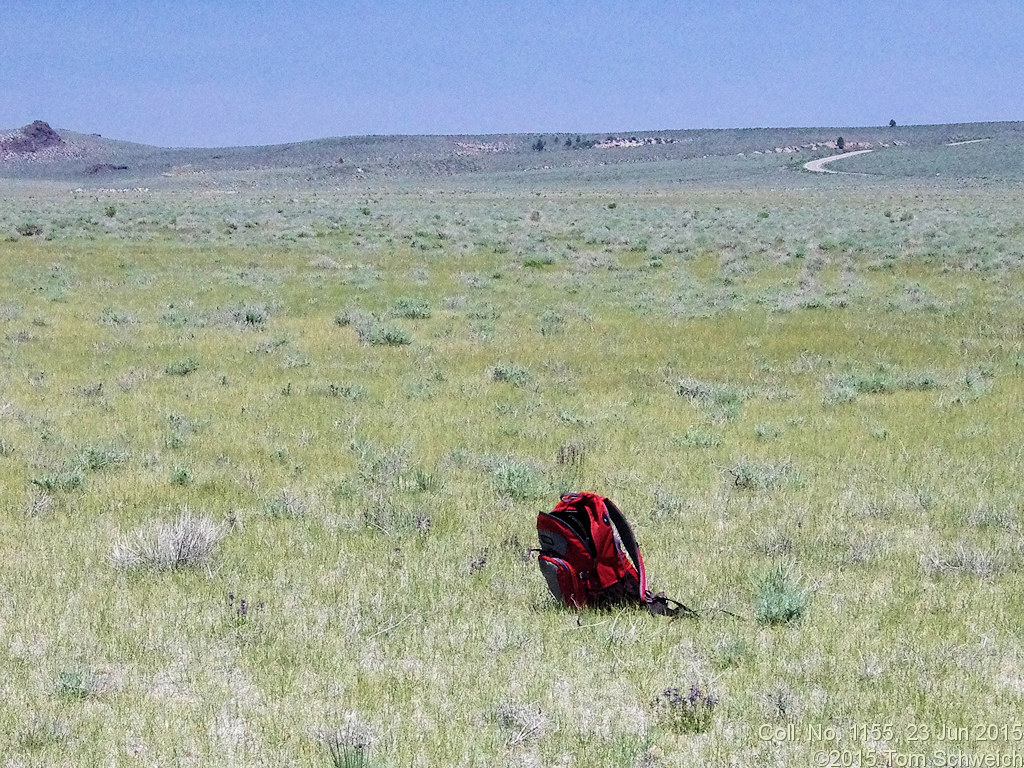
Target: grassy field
x=344, y=404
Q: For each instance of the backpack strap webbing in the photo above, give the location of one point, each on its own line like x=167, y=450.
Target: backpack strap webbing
x=660, y=605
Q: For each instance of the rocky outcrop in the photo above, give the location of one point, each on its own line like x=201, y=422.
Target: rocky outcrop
x=31, y=139
x=92, y=170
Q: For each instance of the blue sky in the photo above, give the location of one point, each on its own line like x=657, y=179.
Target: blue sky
x=218, y=73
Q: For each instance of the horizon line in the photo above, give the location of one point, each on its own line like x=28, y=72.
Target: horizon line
x=523, y=133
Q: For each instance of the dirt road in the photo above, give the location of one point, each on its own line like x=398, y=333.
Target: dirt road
x=818, y=165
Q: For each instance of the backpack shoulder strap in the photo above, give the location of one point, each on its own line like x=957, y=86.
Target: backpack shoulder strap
x=656, y=603
x=629, y=542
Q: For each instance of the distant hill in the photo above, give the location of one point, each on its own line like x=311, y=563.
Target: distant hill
x=41, y=152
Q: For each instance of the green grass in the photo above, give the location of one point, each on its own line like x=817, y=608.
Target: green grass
x=808, y=417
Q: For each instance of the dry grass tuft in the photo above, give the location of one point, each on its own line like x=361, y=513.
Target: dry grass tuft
x=348, y=745
x=964, y=558
x=187, y=542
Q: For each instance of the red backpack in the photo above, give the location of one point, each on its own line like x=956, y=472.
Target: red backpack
x=583, y=561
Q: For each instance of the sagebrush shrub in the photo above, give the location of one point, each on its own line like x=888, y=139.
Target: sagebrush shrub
x=182, y=367
x=551, y=322
x=411, y=309
x=385, y=335
x=61, y=480
x=511, y=373
x=80, y=682
x=780, y=597
x=97, y=458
